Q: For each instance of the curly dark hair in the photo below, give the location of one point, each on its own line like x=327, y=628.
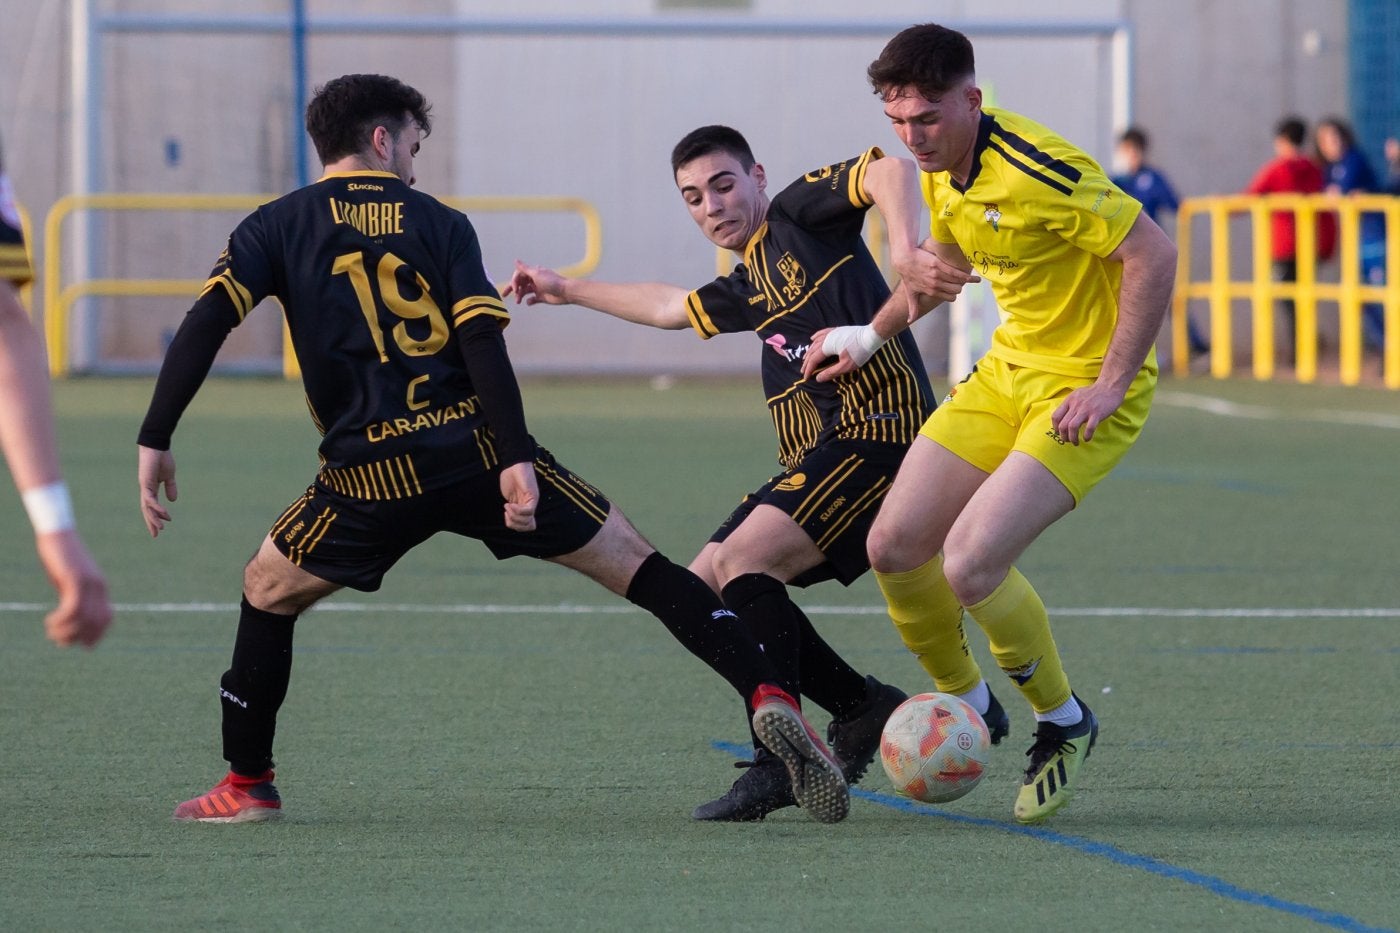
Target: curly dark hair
x=344, y=112
x=708, y=139
x=931, y=58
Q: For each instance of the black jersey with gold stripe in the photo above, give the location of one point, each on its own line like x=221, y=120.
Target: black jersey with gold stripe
x=374, y=277
x=14, y=258
x=805, y=269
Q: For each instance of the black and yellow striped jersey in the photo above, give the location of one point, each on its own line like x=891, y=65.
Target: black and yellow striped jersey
x=374, y=278
x=807, y=268
x=14, y=259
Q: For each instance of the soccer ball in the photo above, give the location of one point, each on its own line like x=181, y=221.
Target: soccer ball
x=934, y=747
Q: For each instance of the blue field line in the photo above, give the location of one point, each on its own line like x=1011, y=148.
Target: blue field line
x=1218, y=886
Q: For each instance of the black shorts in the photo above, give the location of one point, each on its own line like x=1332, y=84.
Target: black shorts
x=833, y=494
x=354, y=541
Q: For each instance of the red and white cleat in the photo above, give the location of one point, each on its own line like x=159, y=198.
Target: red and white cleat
x=817, y=782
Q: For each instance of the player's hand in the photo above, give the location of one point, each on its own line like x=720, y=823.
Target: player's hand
x=851, y=346
x=924, y=273
x=83, y=611
x=521, y=491
x=1083, y=410
x=535, y=284
x=154, y=469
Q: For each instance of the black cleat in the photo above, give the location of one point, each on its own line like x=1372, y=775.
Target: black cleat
x=760, y=790
x=998, y=723
x=855, y=737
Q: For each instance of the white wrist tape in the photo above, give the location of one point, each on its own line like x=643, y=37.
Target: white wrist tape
x=49, y=507
x=858, y=342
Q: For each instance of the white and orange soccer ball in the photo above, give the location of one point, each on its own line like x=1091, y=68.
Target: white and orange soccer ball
x=934, y=748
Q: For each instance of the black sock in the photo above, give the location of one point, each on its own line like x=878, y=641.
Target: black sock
x=762, y=605
x=253, y=688
x=827, y=679
x=694, y=615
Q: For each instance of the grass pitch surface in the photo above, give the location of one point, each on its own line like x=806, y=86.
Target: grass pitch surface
x=488, y=745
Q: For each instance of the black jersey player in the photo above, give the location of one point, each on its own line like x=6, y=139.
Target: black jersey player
x=804, y=267
x=398, y=333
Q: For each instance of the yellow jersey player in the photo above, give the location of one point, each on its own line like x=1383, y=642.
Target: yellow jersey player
x=27, y=438
x=1083, y=280
x=398, y=332
x=804, y=267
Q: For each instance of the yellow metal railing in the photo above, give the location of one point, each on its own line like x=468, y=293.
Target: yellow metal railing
x=59, y=300
x=1219, y=289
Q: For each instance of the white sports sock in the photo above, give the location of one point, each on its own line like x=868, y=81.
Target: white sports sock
x=1067, y=713
x=979, y=697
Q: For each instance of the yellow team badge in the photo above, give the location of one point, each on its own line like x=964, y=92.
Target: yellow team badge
x=993, y=216
x=793, y=274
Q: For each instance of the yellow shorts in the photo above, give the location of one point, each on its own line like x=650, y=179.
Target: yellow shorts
x=1003, y=407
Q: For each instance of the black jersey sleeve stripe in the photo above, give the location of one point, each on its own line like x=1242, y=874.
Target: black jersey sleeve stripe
x=468, y=308
x=241, y=297
x=695, y=310
x=856, y=192
x=1038, y=176
x=1039, y=157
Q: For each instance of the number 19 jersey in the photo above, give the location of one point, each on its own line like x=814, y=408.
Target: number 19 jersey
x=374, y=278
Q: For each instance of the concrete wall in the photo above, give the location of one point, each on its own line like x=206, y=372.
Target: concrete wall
x=595, y=117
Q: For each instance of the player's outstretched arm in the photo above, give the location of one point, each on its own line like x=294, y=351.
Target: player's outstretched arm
x=651, y=303
x=84, y=610
x=27, y=437
x=1149, y=271
x=893, y=184
x=155, y=469
x=853, y=345
x=26, y=417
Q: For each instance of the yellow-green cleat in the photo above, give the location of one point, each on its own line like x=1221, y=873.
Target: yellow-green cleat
x=1056, y=757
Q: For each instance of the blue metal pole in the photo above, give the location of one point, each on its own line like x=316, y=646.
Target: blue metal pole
x=299, y=99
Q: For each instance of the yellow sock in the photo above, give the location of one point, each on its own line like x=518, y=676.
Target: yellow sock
x=1018, y=629
x=929, y=620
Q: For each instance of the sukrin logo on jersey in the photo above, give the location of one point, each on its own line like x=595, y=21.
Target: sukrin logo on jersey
x=793, y=274
x=993, y=215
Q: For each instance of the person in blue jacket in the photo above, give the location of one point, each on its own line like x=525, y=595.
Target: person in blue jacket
x=1151, y=188
x=1347, y=170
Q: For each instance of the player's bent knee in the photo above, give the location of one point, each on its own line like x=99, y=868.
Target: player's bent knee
x=731, y=561
x=274, y=584
x=970, y=580
x=887, y=552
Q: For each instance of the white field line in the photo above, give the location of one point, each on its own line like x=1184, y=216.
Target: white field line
x=503, y=609
x=1228, y=409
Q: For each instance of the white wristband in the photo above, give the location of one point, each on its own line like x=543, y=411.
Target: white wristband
x=859, y=343
x=50, y=508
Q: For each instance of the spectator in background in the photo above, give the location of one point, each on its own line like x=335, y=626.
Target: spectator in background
x=1291, y=172
x=1347, y=172
x=1150, y=187
x=1392, y=161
